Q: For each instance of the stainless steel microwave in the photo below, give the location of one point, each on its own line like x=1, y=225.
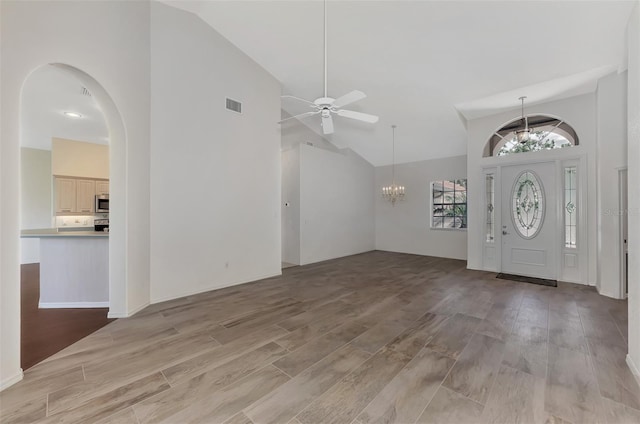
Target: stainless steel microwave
x=102, y=203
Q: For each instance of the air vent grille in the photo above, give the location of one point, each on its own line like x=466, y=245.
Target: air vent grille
x=85, y=92
x=234, y=105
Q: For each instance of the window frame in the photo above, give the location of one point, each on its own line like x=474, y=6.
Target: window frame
x=537, y=123
x=576, y=200
x=432, y=205
x=490, y=214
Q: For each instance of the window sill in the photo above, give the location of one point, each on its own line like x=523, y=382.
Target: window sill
x=447, y=229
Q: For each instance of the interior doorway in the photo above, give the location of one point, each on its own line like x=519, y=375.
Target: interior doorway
x=64, y=138
x=624, y=222
x=529, y=220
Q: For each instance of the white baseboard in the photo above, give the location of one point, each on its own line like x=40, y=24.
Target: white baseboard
x=127, y=314
x=607, y=294
x=633, y=368
x=11, y=380
x=72, y=305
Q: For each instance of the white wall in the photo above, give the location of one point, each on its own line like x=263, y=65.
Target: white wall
x=110, y=42
x=580, y=113
x=633, y=127
x=294, y=134
x=290, y=205
x=337, y=215
x=35, y=199
x=405, y=227
x=611, y=100
x=215, y=174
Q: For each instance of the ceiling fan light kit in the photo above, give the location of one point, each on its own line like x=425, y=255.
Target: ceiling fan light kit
x=326, y=106
x=393, y=192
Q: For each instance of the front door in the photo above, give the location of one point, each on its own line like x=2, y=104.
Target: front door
x=529, y=220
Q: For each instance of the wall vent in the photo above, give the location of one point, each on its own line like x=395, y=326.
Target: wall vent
x=85, y=92
x=234, y=105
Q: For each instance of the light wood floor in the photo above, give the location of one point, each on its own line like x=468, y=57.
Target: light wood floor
x=377, y=337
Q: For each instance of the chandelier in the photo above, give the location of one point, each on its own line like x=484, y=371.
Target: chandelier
x=522, y=135
x=393, y=192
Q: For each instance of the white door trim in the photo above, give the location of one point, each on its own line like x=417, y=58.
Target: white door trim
x=623, y=212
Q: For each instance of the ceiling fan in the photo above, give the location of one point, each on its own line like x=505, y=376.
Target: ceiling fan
x=326, y=106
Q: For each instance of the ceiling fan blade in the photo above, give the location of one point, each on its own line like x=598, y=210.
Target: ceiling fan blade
x=297, y=98
x=349, y=98
x=372, y=119
x=327, y=124
x=300, y=116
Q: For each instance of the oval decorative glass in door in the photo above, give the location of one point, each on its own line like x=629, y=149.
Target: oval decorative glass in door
x=527, y=205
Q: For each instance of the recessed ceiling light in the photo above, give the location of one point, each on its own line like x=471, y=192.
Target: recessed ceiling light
x=72, y=114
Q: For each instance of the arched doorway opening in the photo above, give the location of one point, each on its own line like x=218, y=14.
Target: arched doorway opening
x=99, y=123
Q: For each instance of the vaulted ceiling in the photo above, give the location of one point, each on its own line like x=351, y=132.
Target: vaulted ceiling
x=425, y=66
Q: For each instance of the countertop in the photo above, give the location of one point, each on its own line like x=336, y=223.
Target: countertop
x=53, y=232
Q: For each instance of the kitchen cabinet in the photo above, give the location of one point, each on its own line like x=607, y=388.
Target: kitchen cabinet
x=102, y=187
x=65, y=195
x=85, y=196
x=77, y=196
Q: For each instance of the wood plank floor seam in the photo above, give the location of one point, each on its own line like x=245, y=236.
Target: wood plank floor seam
x=466, y=397
x=359, y=357
x=593, y=368
x=283, y=371
x=491, y=385
x=617, y=324
x=373, y=399
x=444, y=389
x=136, y=416
x=332, y=386
x=276, y=324
x=549, y=342
x=424, y=348
x=165, y=378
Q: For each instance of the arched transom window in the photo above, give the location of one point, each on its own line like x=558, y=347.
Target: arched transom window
x=545, y=133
